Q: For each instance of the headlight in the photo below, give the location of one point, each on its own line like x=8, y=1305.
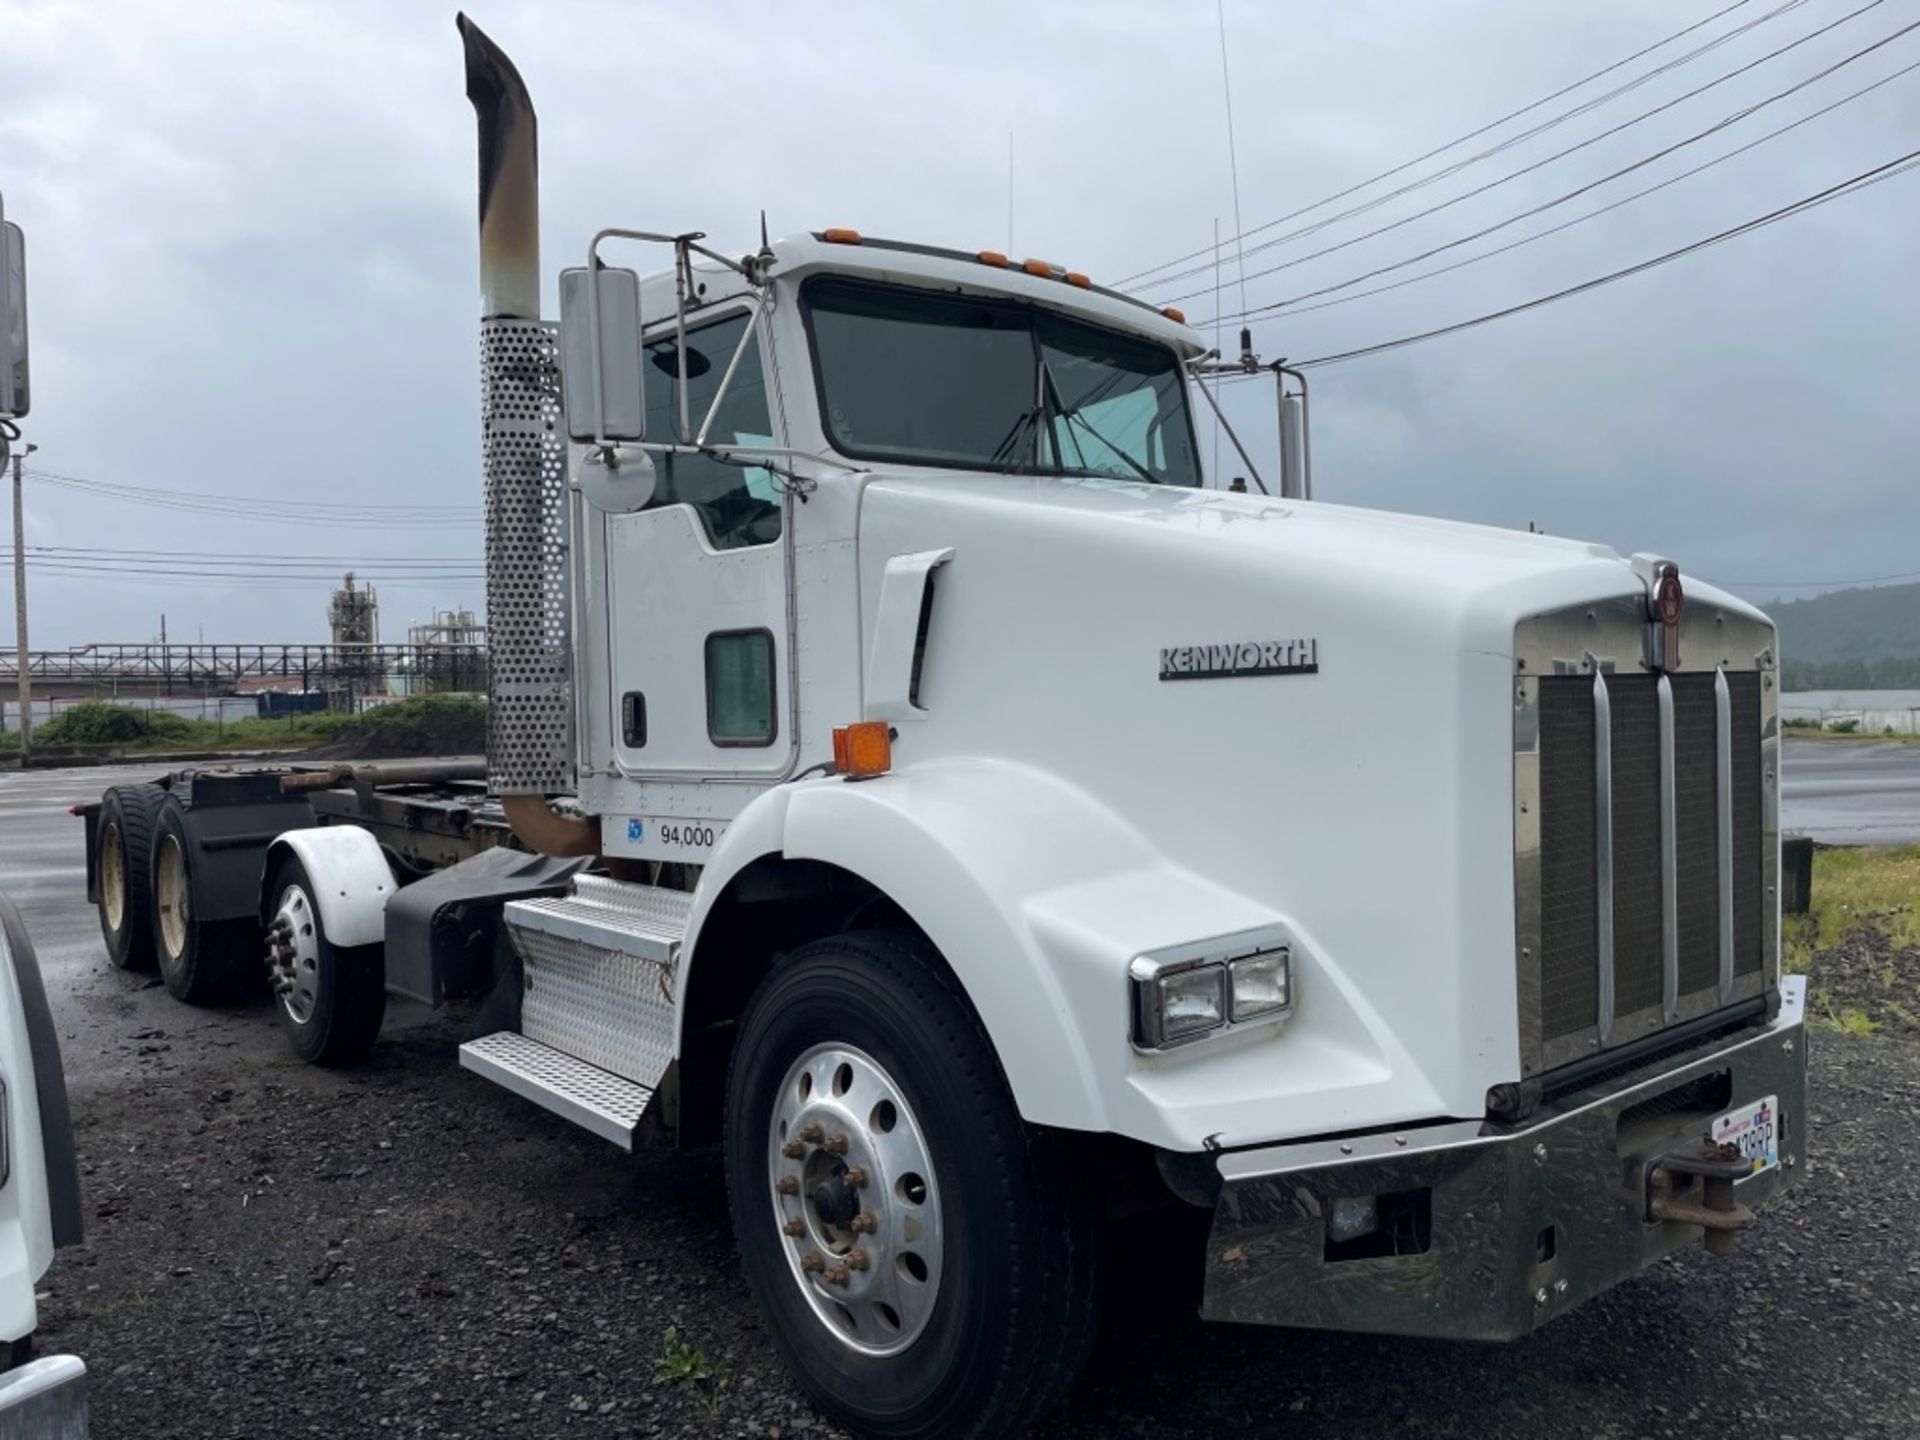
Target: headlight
x=1262, y=984
x=1192, y=991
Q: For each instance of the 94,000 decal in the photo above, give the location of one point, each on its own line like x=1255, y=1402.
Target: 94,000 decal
x=674, y=834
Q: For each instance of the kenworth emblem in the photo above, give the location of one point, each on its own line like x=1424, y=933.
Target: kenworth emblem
x=1664, y=608
x=1246, y=657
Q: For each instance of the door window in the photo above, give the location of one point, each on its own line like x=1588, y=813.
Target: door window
x=738, y=505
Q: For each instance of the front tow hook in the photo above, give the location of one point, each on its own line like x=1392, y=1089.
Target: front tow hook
x=1712, y=1207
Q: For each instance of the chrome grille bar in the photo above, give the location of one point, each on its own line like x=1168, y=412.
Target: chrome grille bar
x=1603, y=846
x=1723, y=795
x=1669, y=862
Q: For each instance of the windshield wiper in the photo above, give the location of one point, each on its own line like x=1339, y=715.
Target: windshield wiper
x=1004, y=452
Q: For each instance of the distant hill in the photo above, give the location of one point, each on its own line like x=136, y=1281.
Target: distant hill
x=1851, y=639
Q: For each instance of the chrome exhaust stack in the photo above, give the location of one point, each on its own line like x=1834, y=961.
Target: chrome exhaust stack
x=530, y=734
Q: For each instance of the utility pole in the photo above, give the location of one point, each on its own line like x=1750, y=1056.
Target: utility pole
x=21, y=667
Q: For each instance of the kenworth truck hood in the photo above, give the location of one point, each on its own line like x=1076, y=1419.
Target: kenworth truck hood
x=1367, y=805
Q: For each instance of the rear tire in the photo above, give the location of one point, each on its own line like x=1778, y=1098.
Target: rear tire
x=974, y=1298
x=200, y=960
x=123, y=869
x=331, y=998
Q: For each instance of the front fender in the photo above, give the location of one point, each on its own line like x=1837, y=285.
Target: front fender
x=351, y=880
x=1038, y=897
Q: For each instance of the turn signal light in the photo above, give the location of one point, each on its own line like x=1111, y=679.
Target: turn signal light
x=863, y=749
x=840, y=236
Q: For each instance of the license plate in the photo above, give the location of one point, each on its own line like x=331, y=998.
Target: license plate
x=1755, y=1130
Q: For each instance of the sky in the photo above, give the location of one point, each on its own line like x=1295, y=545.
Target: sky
x=251, y=250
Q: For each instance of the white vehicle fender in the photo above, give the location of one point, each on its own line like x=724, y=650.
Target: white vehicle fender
x=984, y=857
x=351, y=879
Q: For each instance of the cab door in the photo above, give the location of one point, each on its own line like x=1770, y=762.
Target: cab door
x=697, y=582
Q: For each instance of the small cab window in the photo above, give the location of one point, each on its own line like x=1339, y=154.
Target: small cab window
x=739, y=505
x=740, y=688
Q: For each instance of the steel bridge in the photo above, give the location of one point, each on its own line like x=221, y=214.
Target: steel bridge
x=150, y=668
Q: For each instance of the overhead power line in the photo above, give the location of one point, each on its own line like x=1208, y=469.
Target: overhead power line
x=326, y=514
x=250, y=559
x=1292, y=305
x=1815, y=584
x=1864, y=179
x=1512, y=115
x=1559, y=155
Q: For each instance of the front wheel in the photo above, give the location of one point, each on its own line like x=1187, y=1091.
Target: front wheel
x=926, y=1262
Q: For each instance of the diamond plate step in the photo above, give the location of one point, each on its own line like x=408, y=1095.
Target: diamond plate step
x=599, y=973
x=639, y=920
x=590, y=1097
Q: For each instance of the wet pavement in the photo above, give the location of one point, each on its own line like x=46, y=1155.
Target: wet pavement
x=276, y=1251
x=1846, y=793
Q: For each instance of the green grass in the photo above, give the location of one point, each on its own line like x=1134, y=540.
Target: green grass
x=1857, y=890
x=137, y=730
x=682, y=1364
x=1860, y=944
x=1851, y=1020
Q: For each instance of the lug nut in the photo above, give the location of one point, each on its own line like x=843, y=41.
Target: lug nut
x=835, y=1144
x=838, y=1275
x=794, y=1150
x=812, y=1134
x=788, y=1185
x=857, y=1260
x=856, y=1177
x=795, y=1228
x=812, y=1263
x=863, y=1223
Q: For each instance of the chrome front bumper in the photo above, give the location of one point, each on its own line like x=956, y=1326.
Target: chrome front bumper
x=44, y=1400
x=1521, y=1222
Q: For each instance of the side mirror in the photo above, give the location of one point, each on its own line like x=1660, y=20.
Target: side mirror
x=15, y=396
x=615, y=409
x=619, y=479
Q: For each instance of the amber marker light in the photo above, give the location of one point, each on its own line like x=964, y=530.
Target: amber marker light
x=863, y=750
x=840, y=236
x=992, y=257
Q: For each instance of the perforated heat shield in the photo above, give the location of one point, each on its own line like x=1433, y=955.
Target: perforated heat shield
x=530, y=711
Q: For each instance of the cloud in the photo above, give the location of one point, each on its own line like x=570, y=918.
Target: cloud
x=251, y=231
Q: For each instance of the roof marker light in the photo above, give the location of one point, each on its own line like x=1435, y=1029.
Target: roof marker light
x=992, y=257
x=840, y=236
x=1045, y=269
x=1074, y=277
x=1179, y=317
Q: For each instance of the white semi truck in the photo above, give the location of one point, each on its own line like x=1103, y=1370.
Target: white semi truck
x=908, y=774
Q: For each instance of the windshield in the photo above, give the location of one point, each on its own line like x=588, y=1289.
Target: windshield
x=942, y=379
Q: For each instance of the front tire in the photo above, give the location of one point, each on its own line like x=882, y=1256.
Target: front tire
x=926, y=1263
x=331, y=998
x=123, y=872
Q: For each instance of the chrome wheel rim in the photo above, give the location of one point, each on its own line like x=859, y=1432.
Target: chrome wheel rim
x=293, y=954
x=855, y=1199
x=113, y=876
x=171, y=896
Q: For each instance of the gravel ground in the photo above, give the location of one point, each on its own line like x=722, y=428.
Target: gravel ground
x=280, y=1251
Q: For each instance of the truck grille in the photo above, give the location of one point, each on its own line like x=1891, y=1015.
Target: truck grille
x=1637, y=927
